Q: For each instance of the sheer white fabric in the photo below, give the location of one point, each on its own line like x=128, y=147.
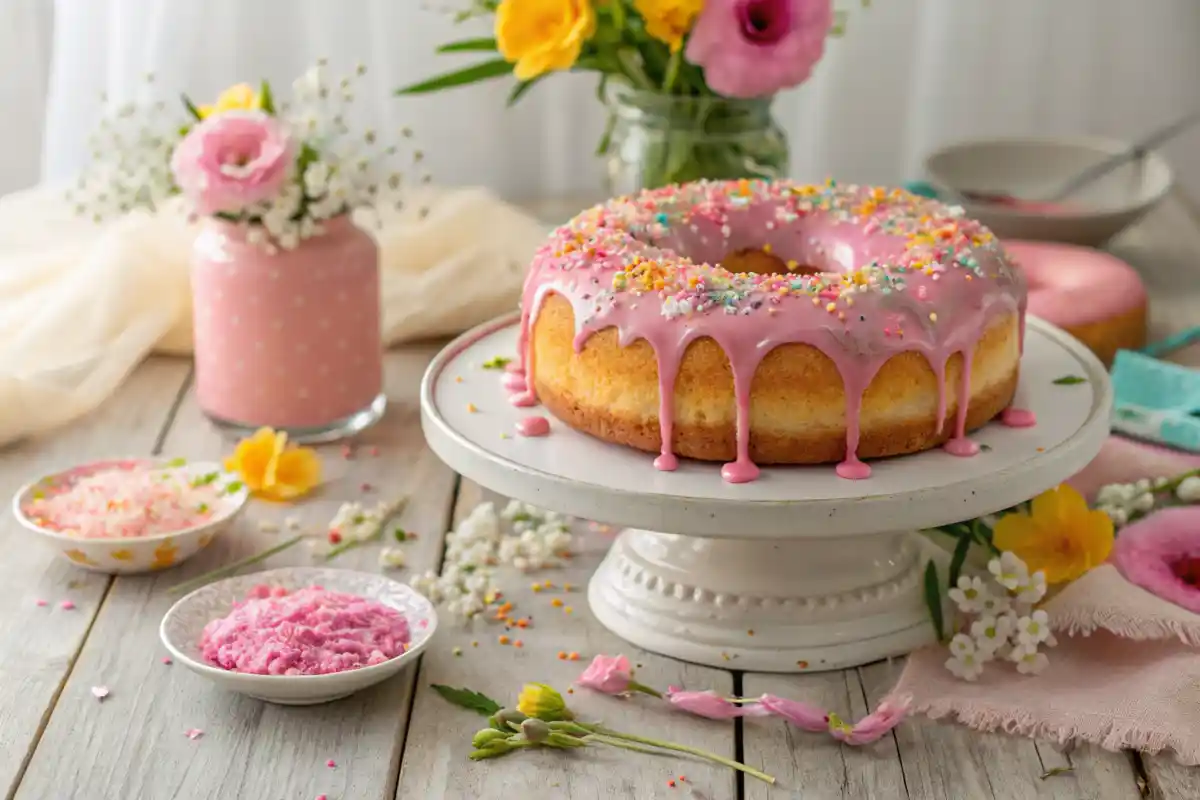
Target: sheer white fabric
x=908, y=76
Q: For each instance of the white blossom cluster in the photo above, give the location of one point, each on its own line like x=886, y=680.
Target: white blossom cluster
x=538, y=537
x=130, y=161
x=466, y=584
x=353, y=523
x=1125, y=502
x=1003, y=624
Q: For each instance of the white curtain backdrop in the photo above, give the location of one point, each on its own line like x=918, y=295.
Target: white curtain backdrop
x=909, y=75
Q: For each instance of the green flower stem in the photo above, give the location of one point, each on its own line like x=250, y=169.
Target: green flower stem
x=230, y=569
x=681, y=748
x=672, y=70
x=637, y=748
x=633, y=70
x=634, y=686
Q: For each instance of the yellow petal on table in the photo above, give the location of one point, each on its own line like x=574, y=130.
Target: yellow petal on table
x=295, y=472
x=254, y=457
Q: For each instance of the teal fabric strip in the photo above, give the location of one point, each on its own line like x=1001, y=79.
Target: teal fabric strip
x=1170, y=344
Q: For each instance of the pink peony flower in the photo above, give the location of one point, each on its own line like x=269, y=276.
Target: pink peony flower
x=712, y=705
x=608, y=674
x=1161, y=554
x=754, y=48
x=233, y=160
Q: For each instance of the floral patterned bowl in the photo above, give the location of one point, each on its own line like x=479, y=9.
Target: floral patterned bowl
x=129, y=555
x=183, y=625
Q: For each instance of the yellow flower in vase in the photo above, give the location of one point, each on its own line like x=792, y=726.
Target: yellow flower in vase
x=241, y=97
x=1060, y=536
x=271, y=469
x=669, y=20
x=541, y=36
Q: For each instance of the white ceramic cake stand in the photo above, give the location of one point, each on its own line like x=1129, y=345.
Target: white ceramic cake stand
x=800, y=570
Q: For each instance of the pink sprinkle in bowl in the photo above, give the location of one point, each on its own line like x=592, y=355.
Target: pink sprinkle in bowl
x=183, y=625
x=130, y=555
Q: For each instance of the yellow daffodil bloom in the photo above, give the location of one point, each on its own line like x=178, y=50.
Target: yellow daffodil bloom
x=1060, y=536
x=241, y=97
x=540, y=36
x=272, y=470
x=669, y=20
x=542, y=702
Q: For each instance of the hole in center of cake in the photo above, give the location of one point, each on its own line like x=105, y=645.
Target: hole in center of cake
x=758, y=260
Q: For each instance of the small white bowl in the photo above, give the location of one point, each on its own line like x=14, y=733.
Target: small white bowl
x=1034, y=168
x=145, y=553
x=184, y=623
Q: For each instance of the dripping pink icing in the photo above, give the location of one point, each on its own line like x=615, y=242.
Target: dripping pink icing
x=900, y=273
x=533, y=426
x=1018, y=418
x=514, y=382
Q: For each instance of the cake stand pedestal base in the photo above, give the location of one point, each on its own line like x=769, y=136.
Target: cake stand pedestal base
x=768, y=605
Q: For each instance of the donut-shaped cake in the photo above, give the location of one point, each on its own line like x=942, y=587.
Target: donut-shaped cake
x=1094, y=296
x=761, y=322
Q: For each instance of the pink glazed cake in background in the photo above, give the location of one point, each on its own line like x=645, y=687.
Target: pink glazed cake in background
x=291, y=339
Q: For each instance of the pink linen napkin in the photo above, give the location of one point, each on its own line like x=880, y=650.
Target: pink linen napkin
x=1126, y=671
x=1125, y=675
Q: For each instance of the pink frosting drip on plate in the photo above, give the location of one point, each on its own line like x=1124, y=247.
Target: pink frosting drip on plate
x=898, y=273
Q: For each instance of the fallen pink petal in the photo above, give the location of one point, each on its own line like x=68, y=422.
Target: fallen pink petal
x=1161, y=554
x=711, y=705
x=878, y=723
x=802, y=715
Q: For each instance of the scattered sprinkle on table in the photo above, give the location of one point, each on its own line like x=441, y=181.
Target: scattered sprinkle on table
x=66, y=605
x=331, y=763
x=167, y=660
x=127, y=502
x=41, y=602
x=100, y=692
x=193, y=733
x=310, y=631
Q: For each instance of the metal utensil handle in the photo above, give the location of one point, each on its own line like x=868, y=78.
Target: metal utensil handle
x=1136, y=151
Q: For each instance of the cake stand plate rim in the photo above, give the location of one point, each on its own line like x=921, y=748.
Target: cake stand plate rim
x=780, y=518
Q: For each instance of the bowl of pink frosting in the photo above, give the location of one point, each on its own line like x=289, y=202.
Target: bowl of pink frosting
x=299, y=635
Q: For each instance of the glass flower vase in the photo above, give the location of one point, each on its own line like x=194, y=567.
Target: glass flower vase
x=288, y=339
x=656, y=139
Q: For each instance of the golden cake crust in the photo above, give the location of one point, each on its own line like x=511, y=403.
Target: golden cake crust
x=798, y=408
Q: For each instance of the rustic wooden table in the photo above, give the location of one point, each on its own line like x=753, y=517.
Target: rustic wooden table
x=400, y=740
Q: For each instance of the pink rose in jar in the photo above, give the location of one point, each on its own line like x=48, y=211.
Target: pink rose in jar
x=233, y=160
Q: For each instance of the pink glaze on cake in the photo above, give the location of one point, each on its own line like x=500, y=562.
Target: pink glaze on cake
x=311, y=631
x=900, y=273
x=533, y=426
x=1018, y=418
x=1071, y=286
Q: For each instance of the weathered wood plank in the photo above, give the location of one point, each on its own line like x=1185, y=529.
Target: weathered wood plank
x=435, y=757
x=133, y=744
x=1095, y=773
x=814, y=766
x=38, y=645
x=1168, y=780
x=944, y=760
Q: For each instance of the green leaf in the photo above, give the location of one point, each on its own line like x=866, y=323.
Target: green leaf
x=958, y=559
x=1069, y=380
x=191, y=107
x=469, y=46
x=520, y=89
x=176, y=462
x=487, y=70
x=205, y=480
x=465, y=698
x=496, y=362
x=233, y=487
x=933, y=599
x=266, y=98
x=400, y=535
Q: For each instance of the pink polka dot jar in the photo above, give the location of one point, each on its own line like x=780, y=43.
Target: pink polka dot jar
x=289, y=339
